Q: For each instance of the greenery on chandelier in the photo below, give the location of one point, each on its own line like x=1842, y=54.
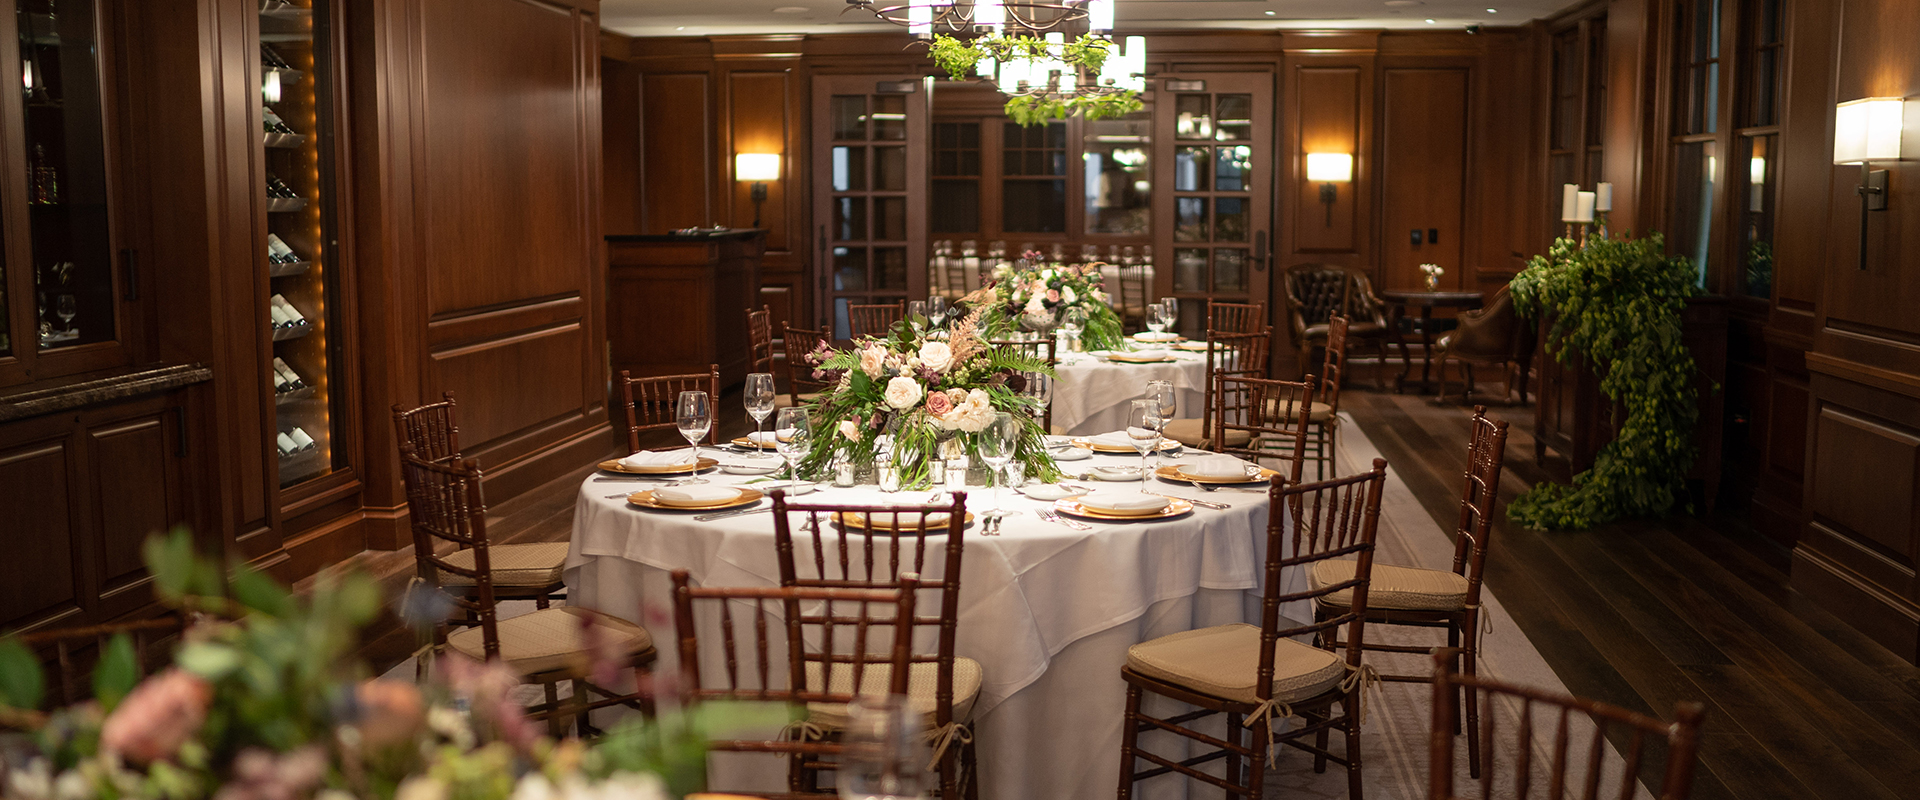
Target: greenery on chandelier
x=1618, y=302
x=1088, y=54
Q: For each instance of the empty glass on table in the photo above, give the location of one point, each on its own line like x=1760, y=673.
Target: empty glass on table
x=758, y=397
x=793, y=437
x=886, y=753
x=695, y=417
x=1170, y=313
x=997, y=445
x=1144, y=424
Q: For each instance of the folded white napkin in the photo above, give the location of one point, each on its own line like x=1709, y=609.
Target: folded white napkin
x=763, y=437
x=1071, y=454
x=1141, y=355
x=698, y=495
x=1113, y=439
x=1198, y=347
x=1217, y=466
x=1129, y=503
x=660, y=458
x=1150, y=336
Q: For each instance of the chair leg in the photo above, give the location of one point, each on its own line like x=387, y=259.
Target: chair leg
x=1442, y=397
x=970, y=771
x=1354, y=789
x=1466, y=392
x=1470, y=666
x=1233, y=758
x=1129, y=737
x=556, y=722
x=1453, y=641
x=1319, y=740
x=1257, y=764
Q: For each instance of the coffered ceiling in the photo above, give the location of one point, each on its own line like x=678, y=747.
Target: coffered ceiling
x=722, y=17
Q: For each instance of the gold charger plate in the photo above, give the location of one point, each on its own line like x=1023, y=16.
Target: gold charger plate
x=1175, y=473
x=644, y=499
x=1175, y=507
x=613, y=465
x=855, y=519
x=1120, y=360
x=1148, y=338
x=749, y=443
x=1098, y=447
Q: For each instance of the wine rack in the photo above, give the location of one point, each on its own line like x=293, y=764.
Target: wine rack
x=298, y=259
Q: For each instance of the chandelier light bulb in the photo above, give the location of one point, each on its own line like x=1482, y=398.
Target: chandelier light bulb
x=1100, y=16
x=989, y=13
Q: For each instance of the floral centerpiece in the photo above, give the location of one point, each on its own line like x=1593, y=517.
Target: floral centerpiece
x=910, y=392
x=1029, y=295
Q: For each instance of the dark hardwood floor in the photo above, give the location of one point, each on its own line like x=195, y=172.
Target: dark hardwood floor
x=1646, y=613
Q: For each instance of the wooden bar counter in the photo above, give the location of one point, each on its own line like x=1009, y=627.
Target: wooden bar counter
x=677, y=302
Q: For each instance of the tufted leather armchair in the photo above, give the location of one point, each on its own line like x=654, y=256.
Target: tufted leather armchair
x=1316, y=292
x=1493, y=335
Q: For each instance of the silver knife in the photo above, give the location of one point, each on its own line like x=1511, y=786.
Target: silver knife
x=735, y=513
x=1200, y=503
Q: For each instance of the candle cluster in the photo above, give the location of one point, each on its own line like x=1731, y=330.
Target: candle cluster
x=1579, y=206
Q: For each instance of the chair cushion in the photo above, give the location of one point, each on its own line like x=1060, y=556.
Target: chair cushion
x=1190, y=432
x=1318, y=332
x=1402, y=588
x=1223, y=661
x=550, y=639
x=922, y=684
x=1316, y=411
x=513, y=564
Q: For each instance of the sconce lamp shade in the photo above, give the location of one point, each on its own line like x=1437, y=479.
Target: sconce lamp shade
x=1329, y=167
x=1867, y=130
x=756, y=166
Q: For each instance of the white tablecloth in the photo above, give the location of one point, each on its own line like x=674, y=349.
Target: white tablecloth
x=1090, y=395
x=1047, y=610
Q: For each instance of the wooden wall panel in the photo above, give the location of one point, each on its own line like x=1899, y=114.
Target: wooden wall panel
x=526, y=379
x=1865, y=472
x=1423, y=152
x=620, y=135
x=676, y=145
x=758, y=120
x=1326, y=103
x=40, y=579
x=136, y=486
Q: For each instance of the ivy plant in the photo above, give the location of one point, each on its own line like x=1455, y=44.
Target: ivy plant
x=958, y=58
x=1617, y=301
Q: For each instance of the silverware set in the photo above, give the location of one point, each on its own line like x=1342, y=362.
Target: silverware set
x=1053, y=516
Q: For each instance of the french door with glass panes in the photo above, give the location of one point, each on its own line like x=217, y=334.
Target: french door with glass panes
x=870, y=185
x=1213, y=191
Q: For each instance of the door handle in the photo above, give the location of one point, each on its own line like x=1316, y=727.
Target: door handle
x=1260, y=254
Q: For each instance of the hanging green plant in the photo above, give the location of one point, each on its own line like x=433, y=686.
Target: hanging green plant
x=1088, y=54
x=1618, y=302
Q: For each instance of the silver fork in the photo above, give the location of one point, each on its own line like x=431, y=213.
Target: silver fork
x=1054, y=516
x=1200, y=503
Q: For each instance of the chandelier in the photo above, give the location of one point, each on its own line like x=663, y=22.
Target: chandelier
x=1053, y=73
x=923, y=17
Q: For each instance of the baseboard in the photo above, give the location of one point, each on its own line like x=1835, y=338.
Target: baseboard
x=1892, y=621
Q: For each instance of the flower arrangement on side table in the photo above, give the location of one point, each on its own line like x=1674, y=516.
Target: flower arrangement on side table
x=1032, y=295
x=921, y=392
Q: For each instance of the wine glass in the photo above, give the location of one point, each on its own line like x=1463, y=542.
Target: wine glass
x=1073, y=321
x=1037, y=388
x=1161, y=393
x=885, y=757
x=695, y=417
x=64, y=307
x=1143, y=428
x=1170, y=313
x=917, y=309
x=936, y=310
x=758, y=397
x=792, y=423
x=998, y=441
x=1156, y=318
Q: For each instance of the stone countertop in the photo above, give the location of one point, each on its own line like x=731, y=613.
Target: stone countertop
x=98, y=391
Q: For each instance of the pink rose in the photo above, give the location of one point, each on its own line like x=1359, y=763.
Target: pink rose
x=157, y=717
x=1053, y=295
x=937, y=403
x=391, y=712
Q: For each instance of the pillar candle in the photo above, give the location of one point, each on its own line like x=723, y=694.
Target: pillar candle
x=1583, y=211
x=1603, y=197
x=1568, y=199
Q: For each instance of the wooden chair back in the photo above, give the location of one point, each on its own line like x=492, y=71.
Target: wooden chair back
x=802, y=343
x=650, y=402
x=760, y=338
x=1486, y=455
x=1566, y=778
x=77, y=652
x=430, y=429
x=874, y=320
x=1132, y=293
x=1236, y=317
x=1334, y=368
x=1043, y=349
x=445, y=504
x=895, y=541
x=1330, y=519
x=1234, y=354
x=1263, y=408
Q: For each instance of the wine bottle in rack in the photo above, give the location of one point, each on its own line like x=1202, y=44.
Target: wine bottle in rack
x=278, y=252
x=286, y=444
x=279, y=188
x=271, y=59
x=46, y=178
x=272, y=121
x=302, y=440
x=292, y=379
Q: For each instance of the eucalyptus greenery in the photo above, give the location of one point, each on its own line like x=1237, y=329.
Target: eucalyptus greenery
x=959, y=57
x=1618, y=302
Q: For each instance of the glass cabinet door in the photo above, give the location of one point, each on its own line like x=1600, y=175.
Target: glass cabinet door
x=300, y=252
x=67, y=166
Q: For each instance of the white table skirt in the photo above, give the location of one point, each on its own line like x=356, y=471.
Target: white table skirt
x=1048, y=611
x=1091, y=396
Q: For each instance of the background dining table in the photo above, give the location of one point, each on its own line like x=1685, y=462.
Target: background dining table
x=1048, y=610
x=1091, y=393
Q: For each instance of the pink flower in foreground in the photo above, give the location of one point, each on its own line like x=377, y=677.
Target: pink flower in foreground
x=937, y=403
x=1053, y=295
x=391, y=712
x=157, y=717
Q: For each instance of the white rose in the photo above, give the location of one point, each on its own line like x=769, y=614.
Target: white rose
x=1046, y=275
x=849, y=430
x=903, y=392
x=872, y=359
x=973, y=415
x=936, y=356
x=1037, y=305
x=1067, y=294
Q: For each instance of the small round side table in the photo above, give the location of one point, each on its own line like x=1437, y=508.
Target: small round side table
x=1426, y=302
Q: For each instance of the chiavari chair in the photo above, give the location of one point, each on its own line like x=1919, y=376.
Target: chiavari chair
x=1259, y=675
x=1323, y=415
x=1680, y=738
x=1232, y=355
x=77, y=653
x=528, y=571
x=545, y=646
x=760, y=348
x=1237, y=317
x=859, y=652
x=1248, y=419
x=1040, y=349
x=801, y=382
x=838, y=545
x=650, y=402
x=875, y=319
x=1446, y=599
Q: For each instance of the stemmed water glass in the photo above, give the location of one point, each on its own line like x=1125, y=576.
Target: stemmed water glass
x=936, y=310
x=792, y=423
x=1037, y=388
x=1073, y=321
x=1144, y=423
x=1170, y=313
x=885, y=756
x=1156, y=318
x=917, y=308
x=64, y=308
x=758, y=397
x=998, y=441
x=1161, y=393
x=694, y=413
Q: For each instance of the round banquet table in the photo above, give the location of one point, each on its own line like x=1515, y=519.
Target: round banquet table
x=1047, y=610
x=1090, y=393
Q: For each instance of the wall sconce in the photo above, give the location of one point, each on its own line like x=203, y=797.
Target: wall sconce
x=1865, y=131
x=1328, y=169
x=759, y=168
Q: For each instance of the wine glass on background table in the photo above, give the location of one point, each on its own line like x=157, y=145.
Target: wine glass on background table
x=936, y=310
x=1144, y=424
x=885, y=756
x=793, y=437
x=917, y=309
x=1037, y=388
x=1161, y=393
x=693, y=412
x=998, y=442
x=1170, y=313
x=758, y=397
x=1156, y=318
x=64, y=308
x=1073, y=322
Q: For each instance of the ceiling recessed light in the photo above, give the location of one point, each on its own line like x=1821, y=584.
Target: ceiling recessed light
x=1269, y=13
x=1403, y=3
x=1493, y=11
x=1430, y=21
x=804, y=9
x=681, y=28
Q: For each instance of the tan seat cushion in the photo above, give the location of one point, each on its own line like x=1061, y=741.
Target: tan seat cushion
x=513, y=564
x=922, y=685
x=1222, y=661
x=550, y=639
x=1403, y=588
x=1316, y=411
x=1190, y=432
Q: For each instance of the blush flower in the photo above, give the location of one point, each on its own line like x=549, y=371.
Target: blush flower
x=850, y=430
x=873, y=360
x=157, y=717
x=937, y=403
x=936, y=356
x=903, y=392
